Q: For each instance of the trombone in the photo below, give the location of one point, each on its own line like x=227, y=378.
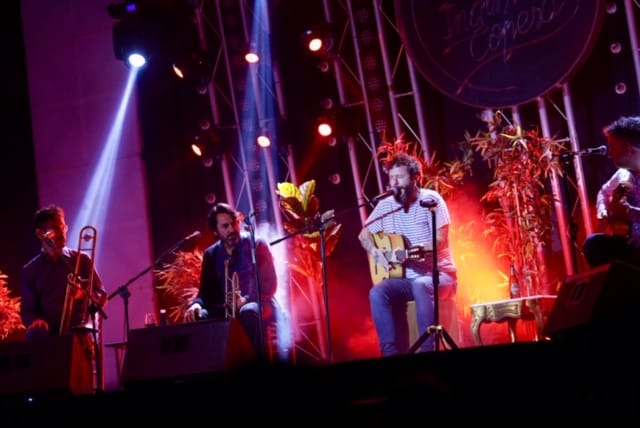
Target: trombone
x=80, y=293
x=80, y=289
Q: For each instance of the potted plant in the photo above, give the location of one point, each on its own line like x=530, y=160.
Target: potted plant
x=520, y=220
x=10, y=320
x=303, y=220
x=179, y=281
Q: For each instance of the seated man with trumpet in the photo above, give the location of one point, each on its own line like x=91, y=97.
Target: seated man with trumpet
x=60, y=288
x=618, y=200
x=229, y=280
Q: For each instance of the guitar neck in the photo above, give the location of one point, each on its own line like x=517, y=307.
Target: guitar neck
x=397, y=256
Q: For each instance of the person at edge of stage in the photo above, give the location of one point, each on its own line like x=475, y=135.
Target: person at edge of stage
x=44, y=279
x=229, y=257
x=408, y=214
x=618, y=199
x=57, y=278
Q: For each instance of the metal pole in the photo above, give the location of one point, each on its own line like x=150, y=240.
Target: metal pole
x=243, y=161
x=359, y=191
x=577, y=161
x=633, y=39
x=355, y=168
x=365, y=98
x=395, y=116
x=559, y=201
x=215, y=112
x=417, y=101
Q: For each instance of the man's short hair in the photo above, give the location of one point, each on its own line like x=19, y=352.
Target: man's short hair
x=414, y=167
x=625, y=127
x=220, y=208
x=50, y=212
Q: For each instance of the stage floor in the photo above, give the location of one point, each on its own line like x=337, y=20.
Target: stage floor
x=588, y=377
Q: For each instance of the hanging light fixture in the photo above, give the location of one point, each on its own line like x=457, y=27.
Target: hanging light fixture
x=194, y=66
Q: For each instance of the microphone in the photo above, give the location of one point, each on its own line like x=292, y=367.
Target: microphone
x=383, y=195
x=247, y=219
x=428, y=203
x=600, y=150
x=195, y=235
x=48, y=236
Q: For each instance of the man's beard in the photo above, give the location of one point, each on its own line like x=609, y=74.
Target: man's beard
x=401, y=195
x=233, y=239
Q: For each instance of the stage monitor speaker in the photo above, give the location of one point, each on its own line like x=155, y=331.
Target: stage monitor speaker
x=184, y=352
x=54, y=365
x=604, y=294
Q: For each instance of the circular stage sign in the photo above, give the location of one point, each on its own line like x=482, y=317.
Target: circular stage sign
x=493, y=53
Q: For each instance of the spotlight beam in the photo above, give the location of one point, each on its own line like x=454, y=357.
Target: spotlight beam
x=94, y=205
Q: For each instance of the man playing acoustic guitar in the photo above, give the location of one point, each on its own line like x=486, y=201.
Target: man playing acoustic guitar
x=397, y=230
x=618, y=200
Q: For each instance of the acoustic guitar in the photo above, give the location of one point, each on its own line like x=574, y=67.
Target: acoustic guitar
x=617, y=223
x=396, y=253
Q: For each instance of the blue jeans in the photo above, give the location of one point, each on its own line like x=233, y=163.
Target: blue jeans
x=388, y=301
x=250, y=320
x=601, y=248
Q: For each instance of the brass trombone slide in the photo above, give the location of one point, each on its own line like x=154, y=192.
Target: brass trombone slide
x=80, y=282
x=81, y=304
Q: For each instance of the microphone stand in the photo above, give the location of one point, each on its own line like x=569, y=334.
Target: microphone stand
x=254, y=260
x=90, y=311
x=320, y=226
x=437, y=329
x=123, y=290
x=565, y=159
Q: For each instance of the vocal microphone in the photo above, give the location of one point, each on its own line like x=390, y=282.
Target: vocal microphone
x=195, y=235
x=428, y=203
x=383, y=195
x=600, y=150
x=48, y=237
x=247, y=219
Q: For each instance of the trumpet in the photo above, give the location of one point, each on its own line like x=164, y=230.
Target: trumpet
x=232, y=291
x=80, y=290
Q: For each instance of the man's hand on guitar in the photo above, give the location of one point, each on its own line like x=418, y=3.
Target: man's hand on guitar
x=619, y=206
x=380, y=258
x=615, y=218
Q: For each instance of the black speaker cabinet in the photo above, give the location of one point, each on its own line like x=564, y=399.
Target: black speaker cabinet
x=183, y=352
x=51, y=365
x=607, y=293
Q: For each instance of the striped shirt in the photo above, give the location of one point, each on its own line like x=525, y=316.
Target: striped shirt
x=415, y=226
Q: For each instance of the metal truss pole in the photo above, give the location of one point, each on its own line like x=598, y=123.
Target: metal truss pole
x=559, y=199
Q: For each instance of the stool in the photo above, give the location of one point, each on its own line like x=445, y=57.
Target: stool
x=448, y=315
x=120, y=349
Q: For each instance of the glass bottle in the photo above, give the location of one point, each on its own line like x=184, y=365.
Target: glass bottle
x=163, y=317
x=514, y=287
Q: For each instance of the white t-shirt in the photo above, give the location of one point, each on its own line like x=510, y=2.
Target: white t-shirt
x=415, y=225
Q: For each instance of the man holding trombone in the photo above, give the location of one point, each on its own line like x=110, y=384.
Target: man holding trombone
x=60, y=288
